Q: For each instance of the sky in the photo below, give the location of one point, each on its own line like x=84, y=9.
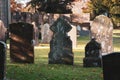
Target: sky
x=22, y=1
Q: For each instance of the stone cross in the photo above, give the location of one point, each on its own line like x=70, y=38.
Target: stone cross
x=102, y=30
x=61, y=45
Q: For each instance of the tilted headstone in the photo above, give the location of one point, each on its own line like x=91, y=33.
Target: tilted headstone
x=21, y=46
x=111, y=66
x=102, y=30
x=92, y=54
x=61, y=45
x=2, y=60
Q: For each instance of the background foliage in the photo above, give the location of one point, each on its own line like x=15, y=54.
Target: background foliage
x=111, y=8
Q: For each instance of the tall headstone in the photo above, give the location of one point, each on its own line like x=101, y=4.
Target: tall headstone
x=111, y=66
x=61, y=45
x=92, y=54
x=2, y=60
x=21, y=47
x=73, y=36
x=102, y=30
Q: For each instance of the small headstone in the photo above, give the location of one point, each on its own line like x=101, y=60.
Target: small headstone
x=111, y=66
x=102, y=30
x=21, y=46
x=61, y=45
x=46, y=33
x=92, y=54
x=2, y=60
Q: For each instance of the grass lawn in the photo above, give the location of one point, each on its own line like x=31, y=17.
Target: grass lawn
x=41, y=70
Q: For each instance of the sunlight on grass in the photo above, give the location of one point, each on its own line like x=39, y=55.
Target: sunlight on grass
x=116, y=40
x=41, y=70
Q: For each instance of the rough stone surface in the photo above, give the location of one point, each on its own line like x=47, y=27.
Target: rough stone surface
x=102, y=30
x=92, y=54
x=61, y=45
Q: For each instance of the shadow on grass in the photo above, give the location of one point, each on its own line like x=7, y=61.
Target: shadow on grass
x=41, y=70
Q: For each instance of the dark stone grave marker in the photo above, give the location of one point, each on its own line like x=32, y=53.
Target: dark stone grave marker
x=92, y=54
x=61, y=45
x=111, y=66
x=2, y=60
x=21, y=47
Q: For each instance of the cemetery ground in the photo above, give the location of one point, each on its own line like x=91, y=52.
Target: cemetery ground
x=41, y=70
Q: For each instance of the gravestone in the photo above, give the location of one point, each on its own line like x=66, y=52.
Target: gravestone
x=46, y=33
x=111, y=66
x=73, y=36
x=61, y=45
x=21, y=46
x=36, y=34
x=2, y=60
x=3, y=31
x=92, y=54
x=102, y=30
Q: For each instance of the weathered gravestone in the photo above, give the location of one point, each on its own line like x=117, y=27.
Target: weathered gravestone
x=111, y=66
x=21, y=47
x=61, y=45
x=2, y=60
x=102, y=30
x=92, y=54
x=46, y=33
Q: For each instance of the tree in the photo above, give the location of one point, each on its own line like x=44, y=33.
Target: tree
x=52, y=6
x=111, y=8
x=15, y=6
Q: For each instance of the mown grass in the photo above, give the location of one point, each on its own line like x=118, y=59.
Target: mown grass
x=41, y=70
